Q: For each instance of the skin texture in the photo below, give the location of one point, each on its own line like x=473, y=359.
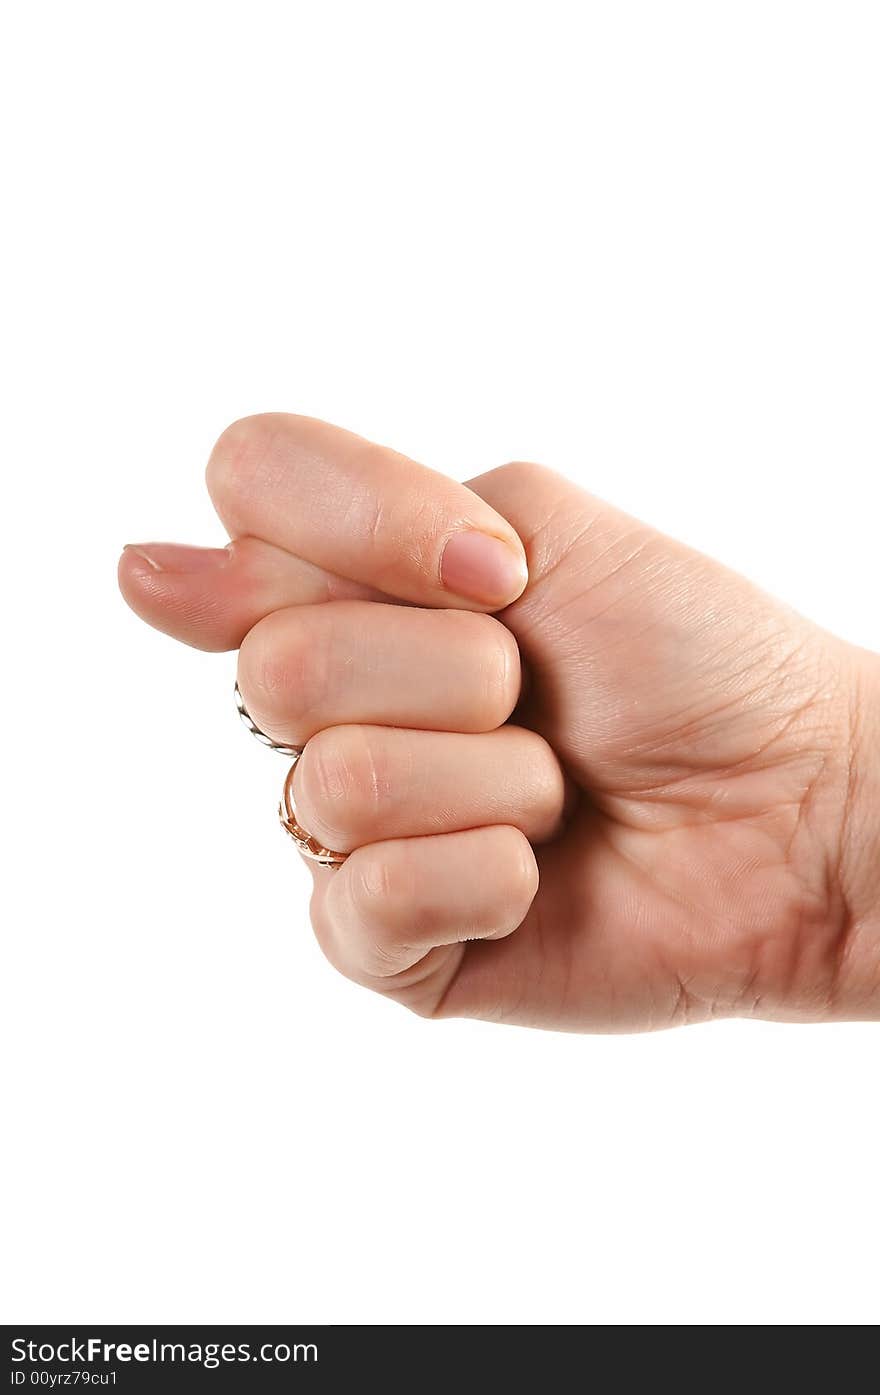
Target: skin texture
x=641, y=794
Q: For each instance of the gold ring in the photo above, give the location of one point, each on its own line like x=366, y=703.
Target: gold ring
x=308, y=846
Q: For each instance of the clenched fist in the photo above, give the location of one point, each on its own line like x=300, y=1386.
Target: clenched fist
x=587, y=778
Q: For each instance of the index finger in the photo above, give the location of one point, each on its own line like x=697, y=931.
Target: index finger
x=364, y=512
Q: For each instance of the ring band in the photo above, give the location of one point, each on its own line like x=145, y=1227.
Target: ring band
x=307, y=845
x=294, y=751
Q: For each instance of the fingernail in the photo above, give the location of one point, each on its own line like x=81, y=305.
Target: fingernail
x=175, y=557
x=483, y=568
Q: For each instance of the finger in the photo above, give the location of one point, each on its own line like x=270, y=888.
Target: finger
x=364, y=512
x=361, y=784
x=310, y=667
x=210, y=597
x=395, y=916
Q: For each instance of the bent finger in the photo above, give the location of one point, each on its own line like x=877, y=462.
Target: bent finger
x=310, y=667
x=396, y=916
x=364, y=512
x=355, y=785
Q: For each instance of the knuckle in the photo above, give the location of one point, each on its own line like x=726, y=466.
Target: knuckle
x=380, y=891
x=527, y=474
x=379, y=894
x=283, y=669
x=362, y=960
x=240, y=456
x=343, y=782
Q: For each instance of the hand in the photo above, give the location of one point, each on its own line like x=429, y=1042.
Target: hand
x=678, y=822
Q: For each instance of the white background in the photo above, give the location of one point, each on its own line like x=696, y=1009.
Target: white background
x=635, y=241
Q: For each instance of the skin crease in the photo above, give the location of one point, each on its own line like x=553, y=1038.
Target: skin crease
x=718, y=855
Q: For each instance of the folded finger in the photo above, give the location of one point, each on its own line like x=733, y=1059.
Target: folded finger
x=365, y=784
x=364, y=512
x=310, y=667
x=396, y=916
